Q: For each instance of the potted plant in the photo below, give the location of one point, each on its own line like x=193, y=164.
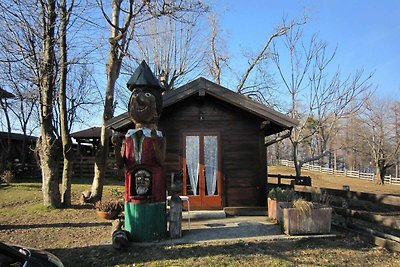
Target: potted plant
x=275, y=197
x=109, y=209
x=304, y=217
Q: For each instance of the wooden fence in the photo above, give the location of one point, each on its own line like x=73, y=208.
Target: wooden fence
x=389, y=179
x=83, y=167
x=289, y=180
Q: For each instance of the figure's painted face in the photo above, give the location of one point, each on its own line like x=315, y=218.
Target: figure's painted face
x=143, y=106
x=143, y=182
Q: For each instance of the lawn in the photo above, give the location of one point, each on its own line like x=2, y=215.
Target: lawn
x=79, y=238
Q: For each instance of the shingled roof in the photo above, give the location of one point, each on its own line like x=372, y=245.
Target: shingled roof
x=93, y=132
x=202, y=87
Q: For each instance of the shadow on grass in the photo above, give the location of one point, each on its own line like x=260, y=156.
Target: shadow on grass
x=53, y=225
x=81, y=207
x=105, y=255
x=272, y=253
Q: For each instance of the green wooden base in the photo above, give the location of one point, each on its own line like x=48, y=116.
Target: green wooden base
x=146, y=222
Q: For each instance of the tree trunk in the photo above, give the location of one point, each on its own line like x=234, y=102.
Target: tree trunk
x=47, y=144
x=24, y=151
x=380, y=172
x=65, y=135
x=335, y=160
x=6, y=157
x=113, y=70
x=297, y=165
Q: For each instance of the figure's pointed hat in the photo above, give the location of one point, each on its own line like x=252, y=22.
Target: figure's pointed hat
x=143, y=77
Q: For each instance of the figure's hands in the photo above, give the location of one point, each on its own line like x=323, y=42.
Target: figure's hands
x=116, y=139
x=153, y=134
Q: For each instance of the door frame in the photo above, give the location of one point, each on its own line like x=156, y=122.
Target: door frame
x=203, y=201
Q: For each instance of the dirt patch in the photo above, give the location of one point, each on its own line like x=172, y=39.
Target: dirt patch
x=80, y=238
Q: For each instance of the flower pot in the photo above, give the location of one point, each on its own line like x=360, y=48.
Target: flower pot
x=296, y=222
x=274, y=209
x=108, y=215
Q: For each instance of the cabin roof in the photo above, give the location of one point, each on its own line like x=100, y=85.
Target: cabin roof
x=202, y=87
x=17, y=136
x=93, y=132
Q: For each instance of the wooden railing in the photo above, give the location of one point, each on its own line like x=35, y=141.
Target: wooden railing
x=83, y=167
x=289, y=180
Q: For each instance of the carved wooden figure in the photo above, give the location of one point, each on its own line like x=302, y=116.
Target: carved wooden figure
x=142, y=154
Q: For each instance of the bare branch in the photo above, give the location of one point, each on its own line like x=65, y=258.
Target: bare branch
x=281, y=30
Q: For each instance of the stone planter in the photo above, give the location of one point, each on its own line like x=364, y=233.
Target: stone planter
x=298, y=223
x=274, y=209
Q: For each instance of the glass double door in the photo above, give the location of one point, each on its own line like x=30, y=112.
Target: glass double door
x=202, y=170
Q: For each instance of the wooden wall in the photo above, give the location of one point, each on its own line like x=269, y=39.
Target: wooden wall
x=242, y=145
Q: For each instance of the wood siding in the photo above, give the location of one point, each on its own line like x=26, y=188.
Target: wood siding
x=242, y=143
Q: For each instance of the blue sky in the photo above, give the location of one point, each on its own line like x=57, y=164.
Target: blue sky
x=366, y=32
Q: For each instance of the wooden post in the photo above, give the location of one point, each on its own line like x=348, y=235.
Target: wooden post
x=345, y=205
x=120, y=238
x=175, y=217
x=175, y=211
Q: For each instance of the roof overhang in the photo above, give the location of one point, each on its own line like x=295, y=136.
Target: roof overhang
x=203, y=87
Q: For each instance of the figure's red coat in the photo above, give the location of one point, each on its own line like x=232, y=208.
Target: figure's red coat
x=149, y=162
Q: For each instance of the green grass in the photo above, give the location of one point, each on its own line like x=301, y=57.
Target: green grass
x=80, y=238
x=26, y=198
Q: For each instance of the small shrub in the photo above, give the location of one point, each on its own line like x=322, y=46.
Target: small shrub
x=280, y=194
x=109, y=206
x=7, y=177
x=324, y=199
x=115, y=193
x=303, y=206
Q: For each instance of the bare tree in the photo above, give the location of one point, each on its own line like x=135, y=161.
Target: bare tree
x=28, y=51
x=123, y=21
x=318, y=100
x=396, y=110
x=379, y=133
x=5, y=157
x=48, y=145
x=255, y=61
x=119, y=42
x=33, y=68
x=65, y=13
x=218, y=53
x=24, y=109
x=173, y=45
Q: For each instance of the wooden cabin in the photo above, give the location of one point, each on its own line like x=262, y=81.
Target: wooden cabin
x=21, y=154
x=85, y=148
x=215, y=140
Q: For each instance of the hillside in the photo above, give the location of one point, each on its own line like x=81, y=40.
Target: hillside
x=337, y=182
